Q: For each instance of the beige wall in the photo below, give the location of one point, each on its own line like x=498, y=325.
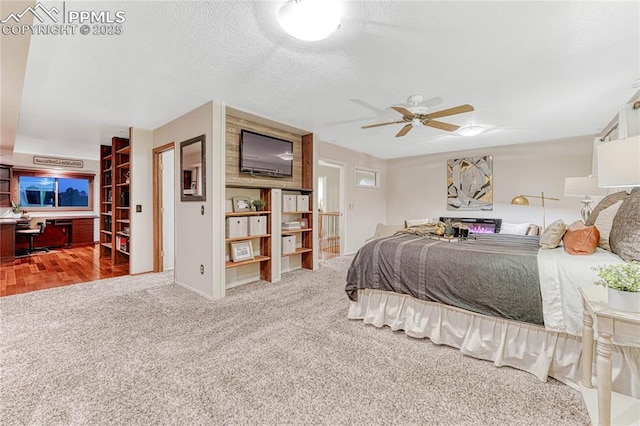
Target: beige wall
x=416, y=186
x=364, y=207
x=141, y=259
x=199, y=240
x=332, y=201
x=233, y=127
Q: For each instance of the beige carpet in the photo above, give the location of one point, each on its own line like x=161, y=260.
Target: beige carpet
x=140, y=350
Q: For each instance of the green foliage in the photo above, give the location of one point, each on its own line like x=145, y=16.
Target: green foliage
x=15, y=207
x=258, y=204
x=620, y=276
x=448, y=227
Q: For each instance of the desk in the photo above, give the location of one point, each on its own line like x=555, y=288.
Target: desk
x=7, y=240
x=69, y=231
x=610, y=323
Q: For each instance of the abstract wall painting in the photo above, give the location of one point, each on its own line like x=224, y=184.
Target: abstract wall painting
x=470, y=183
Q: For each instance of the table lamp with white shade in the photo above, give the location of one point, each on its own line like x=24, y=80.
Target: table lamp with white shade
x=585, y=187
x=619, y=163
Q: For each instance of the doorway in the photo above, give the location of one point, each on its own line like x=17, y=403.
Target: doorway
x=164, y=208
x=331, y=237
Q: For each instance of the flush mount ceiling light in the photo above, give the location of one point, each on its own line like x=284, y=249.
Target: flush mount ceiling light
x=310, y=20
x=471, y=130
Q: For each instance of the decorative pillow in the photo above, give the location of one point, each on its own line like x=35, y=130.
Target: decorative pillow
x=417, y=222
x=383, y=230
x=607, y=201
x=604, y=222
x=514, y=228
x=581, y=239
x=624, y=238
x=534, y=230
x=552, y=236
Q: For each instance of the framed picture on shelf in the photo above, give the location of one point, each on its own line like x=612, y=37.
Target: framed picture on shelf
x=241, y=204
x=241, y=250
x=304, y=223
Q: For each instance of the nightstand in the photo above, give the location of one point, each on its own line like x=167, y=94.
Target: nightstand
x=622, y=326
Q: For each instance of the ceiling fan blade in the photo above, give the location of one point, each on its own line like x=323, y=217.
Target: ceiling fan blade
x=451, y=111
x=382, y=124
x=441, y=125
x=404, y=130
x=402, y=111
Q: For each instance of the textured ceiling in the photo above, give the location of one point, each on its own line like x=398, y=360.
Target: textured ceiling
x=533, y=71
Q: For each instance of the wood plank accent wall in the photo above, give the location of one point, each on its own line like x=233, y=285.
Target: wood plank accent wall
x=233, y=175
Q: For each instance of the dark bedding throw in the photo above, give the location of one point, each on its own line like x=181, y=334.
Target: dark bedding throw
x=495, y=274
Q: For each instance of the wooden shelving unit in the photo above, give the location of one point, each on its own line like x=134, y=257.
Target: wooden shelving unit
x=239, y=214
x=106, y=202
x=305, y=249
x=114, y=200
x=301, y=182
x=121, y=150
x=256, y=259
x=299, y=250
x=6, y=173
x=264, y=258
x=230, y=240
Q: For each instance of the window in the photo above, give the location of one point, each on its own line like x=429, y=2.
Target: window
x=46, y=190
x=367, y=178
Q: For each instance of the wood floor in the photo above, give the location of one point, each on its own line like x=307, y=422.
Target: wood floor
x=57, y=268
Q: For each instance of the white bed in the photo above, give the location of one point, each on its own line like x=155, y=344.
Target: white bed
x=553, y=350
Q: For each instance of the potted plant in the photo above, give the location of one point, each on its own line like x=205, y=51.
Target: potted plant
x=448, y=228
x=16, y=209
x=622, y=281
x=258, y=204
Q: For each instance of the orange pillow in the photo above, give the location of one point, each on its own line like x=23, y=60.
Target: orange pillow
x=581, y=239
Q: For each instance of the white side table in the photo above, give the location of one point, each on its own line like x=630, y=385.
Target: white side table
x=610, y=322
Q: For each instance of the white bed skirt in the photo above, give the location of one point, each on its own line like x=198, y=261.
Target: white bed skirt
x=519, y=345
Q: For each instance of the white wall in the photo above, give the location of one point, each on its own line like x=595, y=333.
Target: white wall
x=141, y=258
x=332, y=201
x=365, y=207
x=168, y=206
x=417, y=186
x=200, y=237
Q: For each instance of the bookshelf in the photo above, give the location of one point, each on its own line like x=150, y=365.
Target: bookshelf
x=260, y=241
x=114, y=201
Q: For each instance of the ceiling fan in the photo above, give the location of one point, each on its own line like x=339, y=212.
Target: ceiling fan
x=415, y=115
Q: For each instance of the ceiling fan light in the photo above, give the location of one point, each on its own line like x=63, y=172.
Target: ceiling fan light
x=471, y=130
x=310, y=20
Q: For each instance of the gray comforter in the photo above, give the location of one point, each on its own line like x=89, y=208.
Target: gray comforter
x=495, y=274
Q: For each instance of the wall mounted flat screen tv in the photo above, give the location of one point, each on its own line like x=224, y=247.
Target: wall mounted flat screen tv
x=265, y=155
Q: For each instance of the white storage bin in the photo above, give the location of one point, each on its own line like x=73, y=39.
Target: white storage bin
x=288, y=203
x=302, y=203
x=237, y=227
x=257, y=225
x=288, y=244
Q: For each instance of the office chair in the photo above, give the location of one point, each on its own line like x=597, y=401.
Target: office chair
x=36, y=227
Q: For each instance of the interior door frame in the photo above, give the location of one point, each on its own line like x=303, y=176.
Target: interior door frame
x=326, y=162
x=157, y=204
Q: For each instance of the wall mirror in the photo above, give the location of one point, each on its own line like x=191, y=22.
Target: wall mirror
x=192, y=169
